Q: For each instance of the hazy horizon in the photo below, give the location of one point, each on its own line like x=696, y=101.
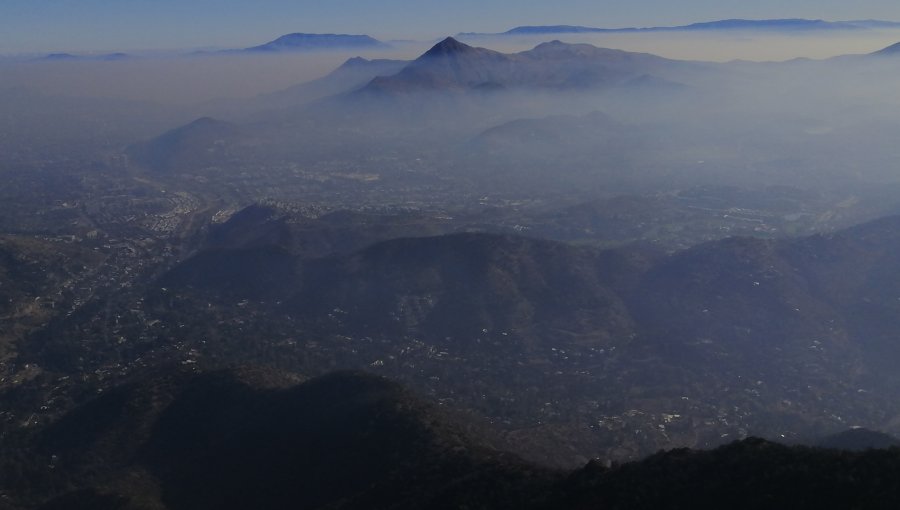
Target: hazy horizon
x=95, y=26
x=181, y=79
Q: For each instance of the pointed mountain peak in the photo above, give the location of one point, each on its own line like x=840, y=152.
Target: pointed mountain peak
x=448, y=46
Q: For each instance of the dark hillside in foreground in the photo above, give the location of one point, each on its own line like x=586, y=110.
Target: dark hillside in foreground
x=253, y=438
x=749, y=474
x=859, y=439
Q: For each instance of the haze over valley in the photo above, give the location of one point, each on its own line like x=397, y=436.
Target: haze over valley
x=558, y=266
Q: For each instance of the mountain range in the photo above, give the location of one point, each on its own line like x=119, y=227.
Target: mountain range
x=451, y=64
x=785, y=25
x=69, y=57
x=459, y=82
x=743, y=336
x=311, y=42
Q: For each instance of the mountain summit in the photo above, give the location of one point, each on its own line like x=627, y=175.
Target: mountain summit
x=449, y=64
x=453, y=65
x=448, y=46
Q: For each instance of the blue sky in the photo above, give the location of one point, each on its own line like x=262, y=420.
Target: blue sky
x=109, y=25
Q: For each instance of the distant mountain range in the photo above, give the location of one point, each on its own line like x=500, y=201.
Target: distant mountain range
x=453, y=65
x=786, y=25
x=308, y=42
x=459, y=81
x=69, y=57
x=300, y=42
x=362, y=90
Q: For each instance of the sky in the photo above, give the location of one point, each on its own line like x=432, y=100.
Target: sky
x=35, y=26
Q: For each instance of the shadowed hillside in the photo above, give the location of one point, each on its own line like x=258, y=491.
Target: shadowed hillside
x=253, y=438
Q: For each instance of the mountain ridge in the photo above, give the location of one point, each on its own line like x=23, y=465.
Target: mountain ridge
x=764, y=316
x=453, y=65
x=778, y=24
